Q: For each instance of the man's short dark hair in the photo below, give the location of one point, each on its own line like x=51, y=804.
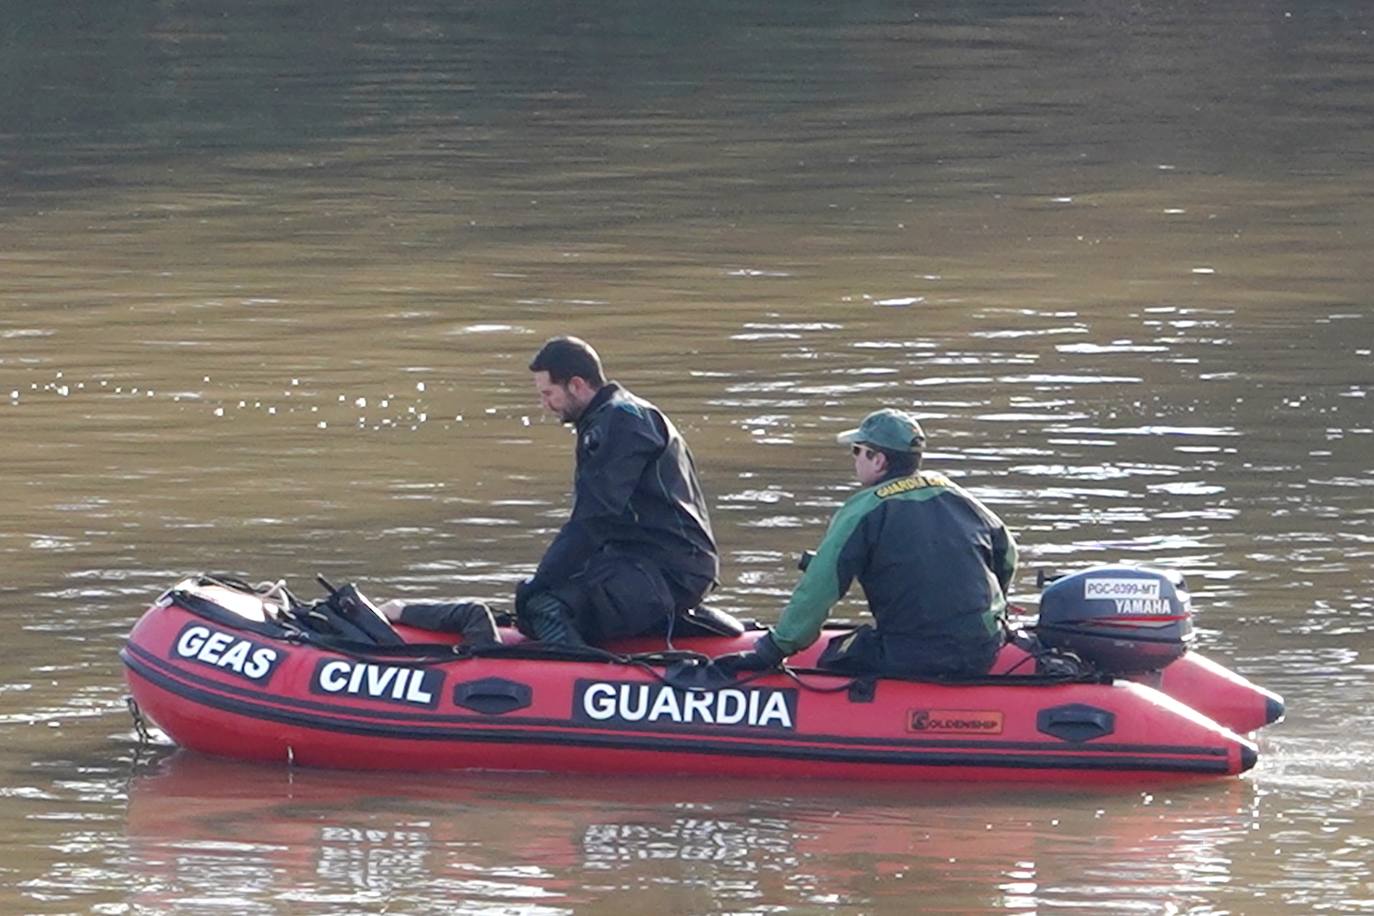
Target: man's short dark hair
x=564, y=358
x=900, y=463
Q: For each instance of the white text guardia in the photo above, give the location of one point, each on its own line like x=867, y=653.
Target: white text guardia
x=656, y=703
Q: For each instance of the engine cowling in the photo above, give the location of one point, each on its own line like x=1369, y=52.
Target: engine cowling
x=1120, y=619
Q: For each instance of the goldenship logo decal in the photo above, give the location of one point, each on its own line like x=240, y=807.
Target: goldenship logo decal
x=956, y=721
x=635, y=704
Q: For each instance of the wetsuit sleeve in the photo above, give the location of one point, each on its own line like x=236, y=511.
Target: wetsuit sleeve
x=610, y=467
x=611, y=457
x=827, y=577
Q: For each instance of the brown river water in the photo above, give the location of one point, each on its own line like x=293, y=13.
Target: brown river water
x=270, y=275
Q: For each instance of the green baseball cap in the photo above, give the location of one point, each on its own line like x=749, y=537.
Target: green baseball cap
x=894, y=430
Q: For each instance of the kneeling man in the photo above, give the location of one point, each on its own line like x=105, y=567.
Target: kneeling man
x=638, y=546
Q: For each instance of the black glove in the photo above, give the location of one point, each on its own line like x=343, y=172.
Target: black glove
x=763, y=657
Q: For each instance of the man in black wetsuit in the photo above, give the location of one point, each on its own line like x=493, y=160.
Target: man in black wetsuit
x=638, y=546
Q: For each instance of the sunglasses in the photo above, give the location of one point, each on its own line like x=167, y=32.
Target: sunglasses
x=860, y=450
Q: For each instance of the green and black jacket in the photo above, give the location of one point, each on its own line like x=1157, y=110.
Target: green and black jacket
x=934, y=563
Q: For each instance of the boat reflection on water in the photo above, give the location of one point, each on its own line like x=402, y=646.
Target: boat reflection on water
x=204, y=831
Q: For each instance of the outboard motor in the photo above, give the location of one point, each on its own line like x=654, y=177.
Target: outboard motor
x=1121, y=619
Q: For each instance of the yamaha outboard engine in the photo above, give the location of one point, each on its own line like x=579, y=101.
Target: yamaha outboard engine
x=1120, y=619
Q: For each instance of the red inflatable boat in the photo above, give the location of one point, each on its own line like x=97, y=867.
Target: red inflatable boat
x=214, y=667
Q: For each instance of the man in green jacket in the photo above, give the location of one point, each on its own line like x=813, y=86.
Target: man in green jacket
x=934, y=563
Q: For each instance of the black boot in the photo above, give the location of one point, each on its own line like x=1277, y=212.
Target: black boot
x=551, y=621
